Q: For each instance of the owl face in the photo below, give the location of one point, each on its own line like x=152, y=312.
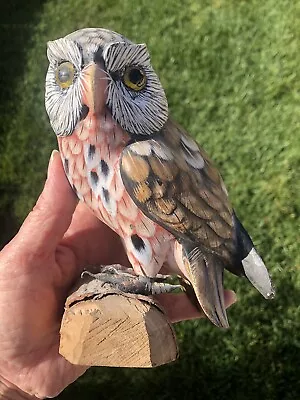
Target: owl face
x=95, y=68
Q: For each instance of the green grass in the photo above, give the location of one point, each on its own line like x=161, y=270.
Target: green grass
x=232, y=76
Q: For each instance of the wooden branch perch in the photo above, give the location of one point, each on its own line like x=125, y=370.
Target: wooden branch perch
x=102, y=326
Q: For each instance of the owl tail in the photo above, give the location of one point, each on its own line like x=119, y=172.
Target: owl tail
x=205, y=272
x=250, y=264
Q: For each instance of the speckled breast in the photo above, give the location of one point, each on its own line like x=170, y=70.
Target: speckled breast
x=91, y=158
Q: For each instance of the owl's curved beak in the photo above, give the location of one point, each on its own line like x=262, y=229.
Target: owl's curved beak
x=94, y=88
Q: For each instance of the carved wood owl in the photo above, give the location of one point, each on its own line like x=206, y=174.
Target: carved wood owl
x=140, y=172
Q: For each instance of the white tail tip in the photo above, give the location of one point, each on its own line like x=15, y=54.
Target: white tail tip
x=257, y=273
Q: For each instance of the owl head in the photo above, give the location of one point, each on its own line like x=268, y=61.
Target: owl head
x=95, y=68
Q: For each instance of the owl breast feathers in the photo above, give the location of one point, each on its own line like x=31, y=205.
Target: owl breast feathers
x=140, y=172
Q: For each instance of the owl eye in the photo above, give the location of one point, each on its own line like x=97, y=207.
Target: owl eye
x=134, y=78
x=65, y=74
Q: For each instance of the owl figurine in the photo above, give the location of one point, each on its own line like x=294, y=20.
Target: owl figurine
x=140, y=172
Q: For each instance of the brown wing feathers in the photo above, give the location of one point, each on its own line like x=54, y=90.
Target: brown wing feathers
x=175, y=184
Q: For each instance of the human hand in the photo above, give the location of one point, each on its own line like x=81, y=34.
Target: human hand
x=37, y=269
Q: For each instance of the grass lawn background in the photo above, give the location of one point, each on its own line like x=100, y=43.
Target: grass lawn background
x=232, y=77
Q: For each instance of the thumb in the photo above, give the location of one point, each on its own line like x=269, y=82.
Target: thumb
x=50, y=218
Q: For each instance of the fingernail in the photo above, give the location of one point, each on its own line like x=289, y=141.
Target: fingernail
x=52, y=155
x=51, y=160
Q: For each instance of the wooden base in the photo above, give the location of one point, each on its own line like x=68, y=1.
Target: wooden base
x=102, y=326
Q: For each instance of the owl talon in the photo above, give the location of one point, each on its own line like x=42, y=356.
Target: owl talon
x=158, y=285
x=117, y=269
x=129, y=283
x=162, y=277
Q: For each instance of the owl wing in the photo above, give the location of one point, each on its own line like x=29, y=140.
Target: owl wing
x=176, y=185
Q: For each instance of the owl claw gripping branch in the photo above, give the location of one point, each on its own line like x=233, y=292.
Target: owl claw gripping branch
x=140, y=172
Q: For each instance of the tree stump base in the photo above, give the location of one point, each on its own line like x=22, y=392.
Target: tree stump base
x=102, y=326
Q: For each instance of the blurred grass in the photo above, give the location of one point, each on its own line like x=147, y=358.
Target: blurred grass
x=231, y=73
x=17, y=22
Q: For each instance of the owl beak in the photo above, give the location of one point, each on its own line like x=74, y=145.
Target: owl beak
x=94, y=88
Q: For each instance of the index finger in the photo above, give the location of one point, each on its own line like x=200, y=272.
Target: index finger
x=179, y=308
x=51, y=216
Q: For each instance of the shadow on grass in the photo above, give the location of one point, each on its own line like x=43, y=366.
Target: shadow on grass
x=17, y=21
x=8, y=222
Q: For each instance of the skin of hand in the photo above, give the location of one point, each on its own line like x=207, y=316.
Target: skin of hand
x=37, y=269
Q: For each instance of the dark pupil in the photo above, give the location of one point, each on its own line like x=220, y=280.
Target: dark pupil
x=135, y=76
x=64, y=74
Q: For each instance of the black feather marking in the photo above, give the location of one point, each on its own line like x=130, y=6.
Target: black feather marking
x=94, y=177
x=66, y=166
x=138, y=242
x=83, y=112
x=105, y=195
x=244, y=242
x=92, y=150
x=104, y=168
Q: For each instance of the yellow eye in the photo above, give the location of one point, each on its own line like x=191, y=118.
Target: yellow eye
x=135, y=78
x=65, y=74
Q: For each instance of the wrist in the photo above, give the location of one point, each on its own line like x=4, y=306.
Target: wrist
x=11, y=392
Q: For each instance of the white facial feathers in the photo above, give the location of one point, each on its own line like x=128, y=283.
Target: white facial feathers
x=118, y=55
x=63, y=105
x=64, y=49
x=140, y=112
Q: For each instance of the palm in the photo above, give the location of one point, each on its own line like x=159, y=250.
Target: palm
x=36, y=300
